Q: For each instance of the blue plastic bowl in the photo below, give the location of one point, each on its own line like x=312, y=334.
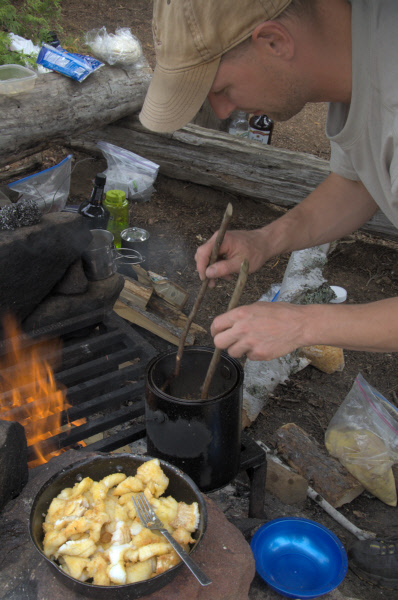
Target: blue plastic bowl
x=299, y=558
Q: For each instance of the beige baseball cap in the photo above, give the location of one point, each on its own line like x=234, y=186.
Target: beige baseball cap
x=190, y=36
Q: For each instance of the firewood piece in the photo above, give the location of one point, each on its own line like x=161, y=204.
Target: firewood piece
x=285, y=484
x=311, y=460
x=328, y=359
x=135, y=292
x=165, y=310
x=142, y=275
x=150, y=322
x=169, y=291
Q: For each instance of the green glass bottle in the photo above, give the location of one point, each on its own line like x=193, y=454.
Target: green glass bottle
x=118, y=207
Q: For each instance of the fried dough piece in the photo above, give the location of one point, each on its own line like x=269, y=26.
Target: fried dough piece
x=126, y=500
x=116, y=570
x=166, y=561
x=83, y=548
x=52, y=541
x=97, y=568
x=75, y=566
x=122, y=534
x=151, y=550
x=78, y=489
x=183, y=537
x=187, y=516
x=153, y=477
x=112, y=480
x=145, y=537
x=140, y=571
x=61, y=508
x=131, y=484
x=166, y=509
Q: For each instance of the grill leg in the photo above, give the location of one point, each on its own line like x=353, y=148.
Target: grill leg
x=254, y=462
x=257, y=476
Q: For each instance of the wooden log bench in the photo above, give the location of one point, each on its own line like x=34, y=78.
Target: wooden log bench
x=105, y=106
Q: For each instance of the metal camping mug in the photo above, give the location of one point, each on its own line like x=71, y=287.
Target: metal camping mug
x=100, y=259
x=135, y=238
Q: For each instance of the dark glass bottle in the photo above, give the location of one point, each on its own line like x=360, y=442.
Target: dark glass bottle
x=260, y=128
x=93, y=210
x=53, y=39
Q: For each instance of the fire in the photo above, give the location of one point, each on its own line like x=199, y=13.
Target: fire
x=29, y=392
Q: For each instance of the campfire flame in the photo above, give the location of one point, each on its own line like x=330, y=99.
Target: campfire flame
x=29, y=392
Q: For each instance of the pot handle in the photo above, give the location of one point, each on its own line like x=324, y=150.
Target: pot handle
x=133, y=257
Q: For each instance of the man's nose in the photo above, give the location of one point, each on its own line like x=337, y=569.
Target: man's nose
x=221, y=105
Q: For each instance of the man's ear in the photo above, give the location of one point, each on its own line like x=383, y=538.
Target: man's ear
x=274, y=38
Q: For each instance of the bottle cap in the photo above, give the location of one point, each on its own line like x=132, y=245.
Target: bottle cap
x=100, y=179
x=115, y=197
x=341, y=294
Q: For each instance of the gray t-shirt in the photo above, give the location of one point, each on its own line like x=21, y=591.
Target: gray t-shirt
x=364, y=135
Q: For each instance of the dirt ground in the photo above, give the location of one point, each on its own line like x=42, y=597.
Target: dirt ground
x=181, y=215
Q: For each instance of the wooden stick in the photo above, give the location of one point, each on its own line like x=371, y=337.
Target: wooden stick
x=240, y=284
x=213, y=257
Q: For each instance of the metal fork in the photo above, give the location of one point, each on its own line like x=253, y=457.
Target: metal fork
x=149, y=519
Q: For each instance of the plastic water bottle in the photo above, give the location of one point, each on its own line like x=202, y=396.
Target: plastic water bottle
x=118, y=207
x=239, y=124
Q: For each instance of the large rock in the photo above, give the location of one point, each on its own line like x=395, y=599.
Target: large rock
x=223, y=554
x=34, y=259
x=56, y=307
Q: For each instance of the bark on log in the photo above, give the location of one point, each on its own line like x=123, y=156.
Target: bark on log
x=219, y=160
x=59, y=106
x=324, y=473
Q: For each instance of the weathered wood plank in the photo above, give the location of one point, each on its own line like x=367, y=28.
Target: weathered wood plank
x=219, y=160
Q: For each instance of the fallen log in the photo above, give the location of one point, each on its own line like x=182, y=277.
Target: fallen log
x=59, y=106
x=222, y=161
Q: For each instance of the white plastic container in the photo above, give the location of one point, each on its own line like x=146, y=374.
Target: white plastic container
x=15, y=79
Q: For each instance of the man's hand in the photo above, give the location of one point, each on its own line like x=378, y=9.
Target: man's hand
x=236, y=246
x=261, y=331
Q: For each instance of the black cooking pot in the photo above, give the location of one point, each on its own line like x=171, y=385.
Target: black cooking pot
x=201, y=437
x=181, y=487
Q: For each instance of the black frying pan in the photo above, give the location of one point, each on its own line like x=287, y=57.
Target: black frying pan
x=181, y=487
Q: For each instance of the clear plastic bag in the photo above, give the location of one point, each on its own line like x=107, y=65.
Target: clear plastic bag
x=129, y=172
x=119, y=48
x=363, y=435
x=49, y=188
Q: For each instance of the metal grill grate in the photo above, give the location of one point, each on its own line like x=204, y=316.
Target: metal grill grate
x=102, y=365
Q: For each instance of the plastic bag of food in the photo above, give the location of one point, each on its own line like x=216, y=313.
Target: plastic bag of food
x=363, y=436
x=75, y=66
x=129, y=172
x=49, y=188
x=119, y=48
